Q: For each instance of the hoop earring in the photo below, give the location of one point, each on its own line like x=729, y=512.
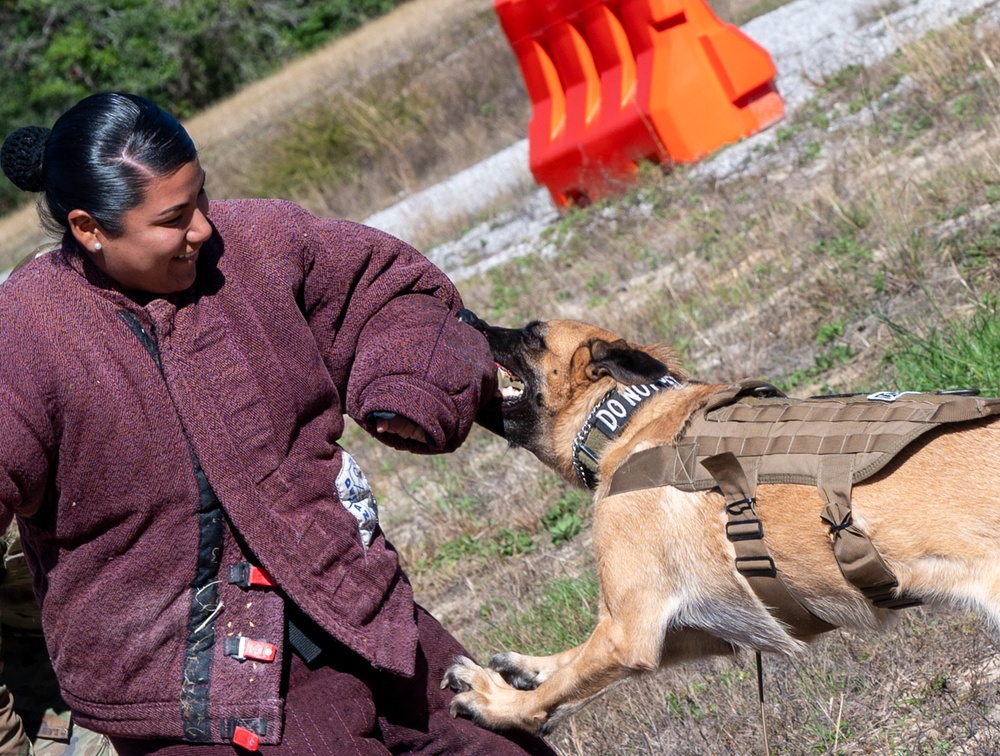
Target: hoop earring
x=97, y=247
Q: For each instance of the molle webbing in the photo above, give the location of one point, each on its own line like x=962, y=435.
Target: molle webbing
x=832, y=443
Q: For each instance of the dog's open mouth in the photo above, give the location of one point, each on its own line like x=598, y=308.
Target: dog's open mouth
x=510, y=387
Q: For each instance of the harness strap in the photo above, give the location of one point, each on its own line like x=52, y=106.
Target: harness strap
x=833, y=443
x=859, y=560
x=746, y=532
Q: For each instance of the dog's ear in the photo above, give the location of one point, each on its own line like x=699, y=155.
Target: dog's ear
x=624, y=363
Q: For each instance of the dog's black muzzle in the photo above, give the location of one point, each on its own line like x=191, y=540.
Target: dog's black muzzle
x=505, y=343
x=470, y=318
x=490, y=415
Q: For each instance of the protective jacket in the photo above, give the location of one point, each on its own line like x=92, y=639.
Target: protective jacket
x=155, y=449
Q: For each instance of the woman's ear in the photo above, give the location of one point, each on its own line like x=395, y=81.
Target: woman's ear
x=85, y=230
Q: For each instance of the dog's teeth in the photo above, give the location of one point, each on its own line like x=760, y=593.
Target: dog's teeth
x=509, y=385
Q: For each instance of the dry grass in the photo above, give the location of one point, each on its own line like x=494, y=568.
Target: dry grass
x=411, y=125
x=878, y=203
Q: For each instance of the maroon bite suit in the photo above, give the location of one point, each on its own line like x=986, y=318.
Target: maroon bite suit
x=151, y=445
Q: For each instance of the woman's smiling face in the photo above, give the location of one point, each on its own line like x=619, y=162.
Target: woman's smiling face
x=158, y=246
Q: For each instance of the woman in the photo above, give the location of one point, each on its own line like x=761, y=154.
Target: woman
x=173, y=383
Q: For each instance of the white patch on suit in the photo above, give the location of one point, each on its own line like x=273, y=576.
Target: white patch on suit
x=357, y=497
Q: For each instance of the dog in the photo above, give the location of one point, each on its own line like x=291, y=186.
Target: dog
x=670, y=589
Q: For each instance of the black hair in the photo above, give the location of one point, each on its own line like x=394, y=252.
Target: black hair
x=98, y=157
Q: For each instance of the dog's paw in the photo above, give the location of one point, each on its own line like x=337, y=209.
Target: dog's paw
x=483, y=696
x=460, y=674
x=515, y=669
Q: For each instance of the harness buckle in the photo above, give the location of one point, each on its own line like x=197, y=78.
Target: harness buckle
x=740, y=507
x=756, y=566
x=744, y=530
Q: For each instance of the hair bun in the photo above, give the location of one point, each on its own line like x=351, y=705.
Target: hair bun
x=21, y=157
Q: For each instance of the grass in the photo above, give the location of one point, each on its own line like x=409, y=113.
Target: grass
x=963, y=352
x=410, y=124
x=562, y=616
x=567, y=517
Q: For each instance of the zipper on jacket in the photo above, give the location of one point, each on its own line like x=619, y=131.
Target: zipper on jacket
x=205, y=607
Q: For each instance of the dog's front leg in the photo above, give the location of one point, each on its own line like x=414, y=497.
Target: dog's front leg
x=609, y=655
x=637, y=605
x=650, y=576
x=528, y=672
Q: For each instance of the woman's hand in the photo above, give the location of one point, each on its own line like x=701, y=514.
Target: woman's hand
x=389, y=422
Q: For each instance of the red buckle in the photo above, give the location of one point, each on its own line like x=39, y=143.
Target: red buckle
x=260, y=576
x=242, y=648
x=246, y=738
x=247, y=575
x=257, y=650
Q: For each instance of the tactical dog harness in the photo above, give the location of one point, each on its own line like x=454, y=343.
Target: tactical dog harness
x=750, y=433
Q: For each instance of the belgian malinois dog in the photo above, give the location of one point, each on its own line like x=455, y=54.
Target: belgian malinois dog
x=671, y=588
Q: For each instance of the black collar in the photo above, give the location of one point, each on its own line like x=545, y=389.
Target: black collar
x=606, y=422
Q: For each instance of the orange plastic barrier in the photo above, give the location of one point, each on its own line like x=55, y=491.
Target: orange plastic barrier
x=615, y=82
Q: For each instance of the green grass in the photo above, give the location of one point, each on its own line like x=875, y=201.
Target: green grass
x=563, y=616
x=565, y=520
x=508, y=542
x=338, y=142
x=960, y=353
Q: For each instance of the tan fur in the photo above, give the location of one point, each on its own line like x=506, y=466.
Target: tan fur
x=669, y=588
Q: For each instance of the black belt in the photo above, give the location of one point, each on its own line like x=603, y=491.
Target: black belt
x=307, y=639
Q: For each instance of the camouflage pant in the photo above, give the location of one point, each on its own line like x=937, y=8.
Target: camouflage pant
x=33, y=717
x=13, y=740
x=46, y=718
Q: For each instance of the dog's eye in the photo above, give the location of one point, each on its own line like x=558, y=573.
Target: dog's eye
x=533, y=335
